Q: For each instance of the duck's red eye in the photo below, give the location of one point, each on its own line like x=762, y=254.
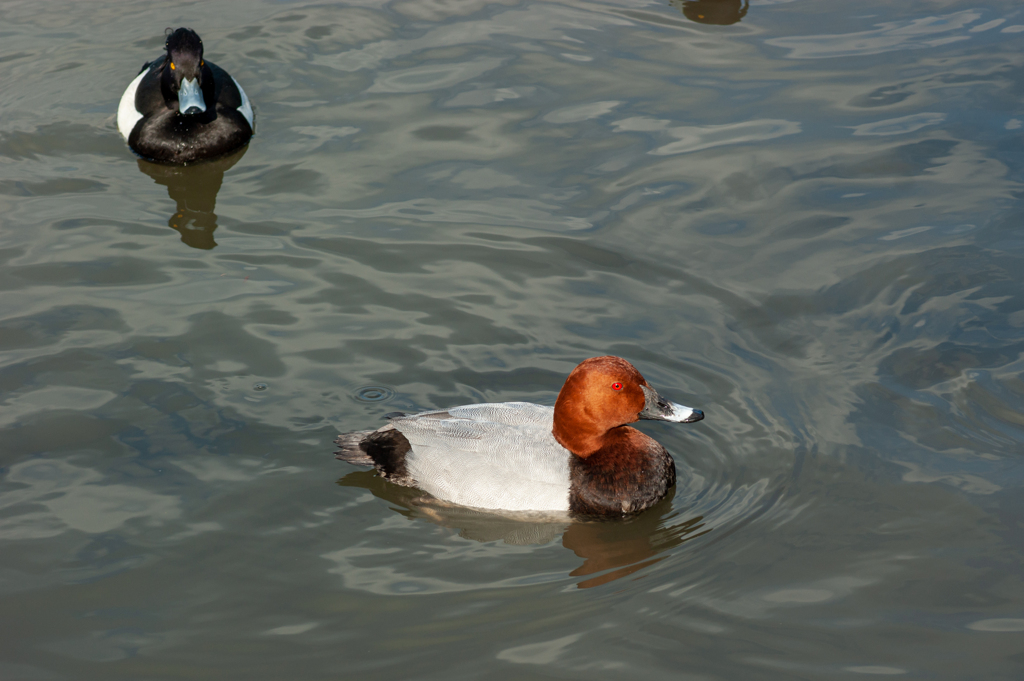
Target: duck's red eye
x=616, y=386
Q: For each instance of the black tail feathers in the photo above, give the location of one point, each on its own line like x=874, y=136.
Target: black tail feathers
x=384, y=449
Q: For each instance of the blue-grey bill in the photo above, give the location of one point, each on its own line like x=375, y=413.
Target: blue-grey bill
x=190, y=97
x=658, y=408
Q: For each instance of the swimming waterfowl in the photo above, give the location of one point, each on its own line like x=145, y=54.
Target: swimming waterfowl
x=182, y=108
x=579, y=456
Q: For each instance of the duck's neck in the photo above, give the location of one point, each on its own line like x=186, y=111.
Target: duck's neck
x=619, y=446
x=585, y=444
x=576, y=430
x=580, y=444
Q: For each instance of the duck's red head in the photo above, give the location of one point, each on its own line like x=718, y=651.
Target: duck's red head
x=604, y=393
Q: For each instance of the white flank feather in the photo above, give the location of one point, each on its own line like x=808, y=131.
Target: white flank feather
x=127, y=114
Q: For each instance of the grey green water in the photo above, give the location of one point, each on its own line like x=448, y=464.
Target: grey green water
x=807, y=222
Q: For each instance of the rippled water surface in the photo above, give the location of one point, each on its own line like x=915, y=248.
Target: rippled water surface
x=802, y=217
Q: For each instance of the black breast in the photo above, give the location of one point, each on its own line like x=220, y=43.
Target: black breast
x=612, y=482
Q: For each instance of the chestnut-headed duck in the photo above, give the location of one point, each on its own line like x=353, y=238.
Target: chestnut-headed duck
x=578, y=457
x=182, y=108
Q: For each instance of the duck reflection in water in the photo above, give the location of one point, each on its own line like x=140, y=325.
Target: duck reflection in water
x=610, y=549
x=193, y=189
x=721, y=12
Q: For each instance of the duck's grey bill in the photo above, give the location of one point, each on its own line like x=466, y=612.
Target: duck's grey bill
x=658, y=408
x=190, y=98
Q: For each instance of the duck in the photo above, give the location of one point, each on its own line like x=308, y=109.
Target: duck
x=181, y=109
x=578, y=457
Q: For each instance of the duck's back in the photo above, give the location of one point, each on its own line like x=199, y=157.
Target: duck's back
x=499, y=456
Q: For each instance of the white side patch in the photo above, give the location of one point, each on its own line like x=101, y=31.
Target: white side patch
x=246, y=108
x=127, y=114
